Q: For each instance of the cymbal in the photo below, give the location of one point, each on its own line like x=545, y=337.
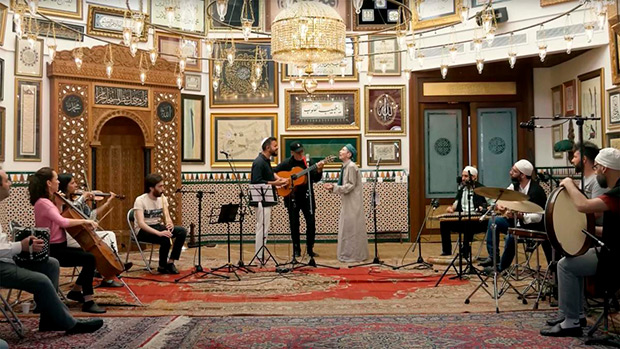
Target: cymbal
x=503, y=194
x=521, y=206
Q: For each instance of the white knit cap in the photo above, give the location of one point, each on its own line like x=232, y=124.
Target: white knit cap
x=471, y=169
x=609, y=157
x=525, y=167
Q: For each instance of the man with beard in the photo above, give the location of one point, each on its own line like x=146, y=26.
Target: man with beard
x=584, y=164
x=521, y=177
x=262, y=173
x=596, y=261
x=155, y=225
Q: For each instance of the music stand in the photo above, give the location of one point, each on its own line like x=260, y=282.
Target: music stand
x=261, y=194
x=227, y=214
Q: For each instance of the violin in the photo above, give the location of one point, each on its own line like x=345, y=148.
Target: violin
x=98, y=194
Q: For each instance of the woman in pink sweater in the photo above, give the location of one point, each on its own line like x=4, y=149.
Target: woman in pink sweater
x=42, y=186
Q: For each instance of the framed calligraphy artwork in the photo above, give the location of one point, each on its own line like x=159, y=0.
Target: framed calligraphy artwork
x=189, y=15
x=323, y=71
x=27, y=127
x=317, y=147
x=570, y=98
x=29, y=59
x=170, y=45
x=72, y=105
x=233, y=15
x=557, y=100
x=613, y=122
x=388, y=150
x=2, y=133
x=384, y=56
x=614, y=55
x=59, y=8
x=376, y=15
x=108, y=22
x=557, y=132
x=121, y=96
x=323, y=110
x=3, y=13
x=240, y=135
x=68, y=31
x=438, y=13
x=192, y=128
x=273, y=8
x=385, y=109
x=193, y=82
x=592, y=104
x=613, y=140
x=122, y=4
x=235, y=83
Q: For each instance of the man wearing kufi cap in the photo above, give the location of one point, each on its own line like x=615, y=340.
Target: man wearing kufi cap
x=596, y=261
x=466, y=201
x=352, y=238
x=521, y=177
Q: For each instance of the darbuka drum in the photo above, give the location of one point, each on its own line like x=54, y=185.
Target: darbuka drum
x=564, y=224
x=528, y=234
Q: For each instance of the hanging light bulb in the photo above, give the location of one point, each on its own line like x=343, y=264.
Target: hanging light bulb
x=589, y=30
x=444, y=70
x=480, y=64
x=331, y=79
x=209, y=47
x=401, y=39
x=569, y=43
x=477, y=44
x=78, y=54
x=153, y=55
x=19, y=30
x=343, y=68
x=32, y=39
x=216, y=83
x=33, y=6
x=138, y=23
x=542, y=45
x=109, y=67
x=411, y=50
x=601, y=17
x=310, y=85
x=254, y=84
x=127, y=36
x=222, y=8
x=357, y=4
x=420, y=58
x=369, y=78
x=180, y=80
x=407, y=73
x=258, y=70
x=542, y=52
x=133, y=47
x=217, y=65
x=230, y=56
x=51, y=49
x=383, y=64
x=453, y=53
x=170, y=15
x=142, y=76
x=293, y=82
x=488, y=16
x=182, y=63
x=246, y=26
x=491, y=36
x=359, y=62
x=464, y=13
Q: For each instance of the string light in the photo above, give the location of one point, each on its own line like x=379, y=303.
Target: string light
x=464, y=11
x=78, y=55
x=133, y=47
x=109, y=65
x=343, y=67
x=542, y=45
x=331, y=79
x=153, y=55
x=180, y=80
x=217, y=65
x=293, y=82
x=479, y=63
x=568, y=37
x=512, y=52
x=209, y=47
x=589, y=29
x=222, y=8
x=33, y=6
x=443, y=68
x=254, y=84
x=491, y=36
x=369, y=78
x=51, y=46
x=127, y=36
x=247, y=19
x=359, y=62
x=407, y=73
x=216, y=83
x=182, y=63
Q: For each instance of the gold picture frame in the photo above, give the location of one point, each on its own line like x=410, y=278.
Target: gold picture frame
x=388, y=150
x=557, y=100
x=233, y=16
x=544, y=3
x=341, y=108
x=2, y=133
x=438, y=15
x=168, y=47
x=557, y=132
x=28, y=60
x=588, y=97
x=3, y=13
x=614, y=54
x=392, y=57
x=51, y=7
x=388, y=124
x=115, y=18
x=240, y=134
x=27, y=124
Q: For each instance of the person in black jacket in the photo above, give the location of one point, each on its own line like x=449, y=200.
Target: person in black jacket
x=476, y=204
x=521, y=177
x=301, y=199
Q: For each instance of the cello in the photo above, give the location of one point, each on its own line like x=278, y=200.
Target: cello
x=107, y=261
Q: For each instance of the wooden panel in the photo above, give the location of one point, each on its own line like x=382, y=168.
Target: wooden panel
x=469, y=88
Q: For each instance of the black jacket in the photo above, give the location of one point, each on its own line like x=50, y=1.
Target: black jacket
x=300, y=193
x=537, y=195
x=479, y=201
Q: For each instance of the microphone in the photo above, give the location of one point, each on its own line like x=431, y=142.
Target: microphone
x=529, y=125
x=224, y=152
x=434, y=203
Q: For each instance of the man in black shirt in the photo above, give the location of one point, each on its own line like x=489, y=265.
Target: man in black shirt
x=301, y=198
x=262, y=173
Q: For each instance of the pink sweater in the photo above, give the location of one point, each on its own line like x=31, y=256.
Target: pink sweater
x=46, y=215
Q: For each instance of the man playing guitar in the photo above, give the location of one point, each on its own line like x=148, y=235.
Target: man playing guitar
x=301, y=197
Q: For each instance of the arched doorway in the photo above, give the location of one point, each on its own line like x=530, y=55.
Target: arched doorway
x=120, y=168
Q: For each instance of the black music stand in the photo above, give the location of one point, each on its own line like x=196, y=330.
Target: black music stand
x=227, y=214
x=262, y=194
x=417, y=243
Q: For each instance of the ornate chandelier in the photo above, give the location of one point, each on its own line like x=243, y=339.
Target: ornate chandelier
x=308, y=32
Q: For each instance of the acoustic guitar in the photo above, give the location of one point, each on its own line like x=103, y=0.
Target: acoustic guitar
x=298, y=176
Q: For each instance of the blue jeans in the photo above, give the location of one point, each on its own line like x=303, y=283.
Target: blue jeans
x=501, y=226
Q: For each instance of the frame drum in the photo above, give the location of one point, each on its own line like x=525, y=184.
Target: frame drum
x=564, y=223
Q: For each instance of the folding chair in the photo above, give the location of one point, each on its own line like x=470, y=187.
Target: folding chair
x=11, y=317
x=134, y=237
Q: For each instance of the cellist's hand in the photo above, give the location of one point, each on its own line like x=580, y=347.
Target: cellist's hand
x=92, y=223
x=112, y=196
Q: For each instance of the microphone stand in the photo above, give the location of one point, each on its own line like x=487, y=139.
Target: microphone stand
x=376, y=260
x=416, y=243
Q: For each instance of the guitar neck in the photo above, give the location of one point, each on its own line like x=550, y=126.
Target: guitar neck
x=303, y=173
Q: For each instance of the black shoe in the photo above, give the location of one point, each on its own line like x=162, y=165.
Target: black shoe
x=583, y=322
x=110, y=283
x=76, y=296
x=128, y=266
x=92, y=307
x=486, y=263
x=173, y=269
x=312, y=253
x=558, y=331
x=170, y=268
x=446, y=254
x=98, y=274
x=86, y=326
x=296, y=253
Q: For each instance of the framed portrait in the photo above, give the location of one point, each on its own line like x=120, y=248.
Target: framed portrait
x=189, y=15
x=3, y=13
x=544, y=3
x=438, y=13
x=193, y=128
x=388, y=150
x=169, y=46
x=324, y=70
x=570, y=98
x=27, y=120
x=385, y=56
x=193, y=82
x=240, y=135
x=45, y=30
x=613, y=140
x=108, y=22
x=1, y=79
x=28, y=60
x=614, y=109
x=557, y=100
x=317, y=147
x=235, y=87
x=477, y=3
x=614, y=56
x=233, y=15
x=122, y=4
x=592, y=103
x=2, y=133
x=273, y=7
x=557, y=133
x=385, y=109
x=323, y=110
x=376, y=15
x=65, y=9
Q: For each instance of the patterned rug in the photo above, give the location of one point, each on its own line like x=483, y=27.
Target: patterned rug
x=504, y=330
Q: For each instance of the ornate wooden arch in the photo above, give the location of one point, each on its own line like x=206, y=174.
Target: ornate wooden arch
x=83, y=100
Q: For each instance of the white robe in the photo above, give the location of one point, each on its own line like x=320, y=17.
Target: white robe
x=352, y=238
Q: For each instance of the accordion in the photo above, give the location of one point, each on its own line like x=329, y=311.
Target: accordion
x=21, y=233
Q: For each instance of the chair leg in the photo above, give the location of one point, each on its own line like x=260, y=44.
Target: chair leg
x=151, y=256
x=12, y=318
